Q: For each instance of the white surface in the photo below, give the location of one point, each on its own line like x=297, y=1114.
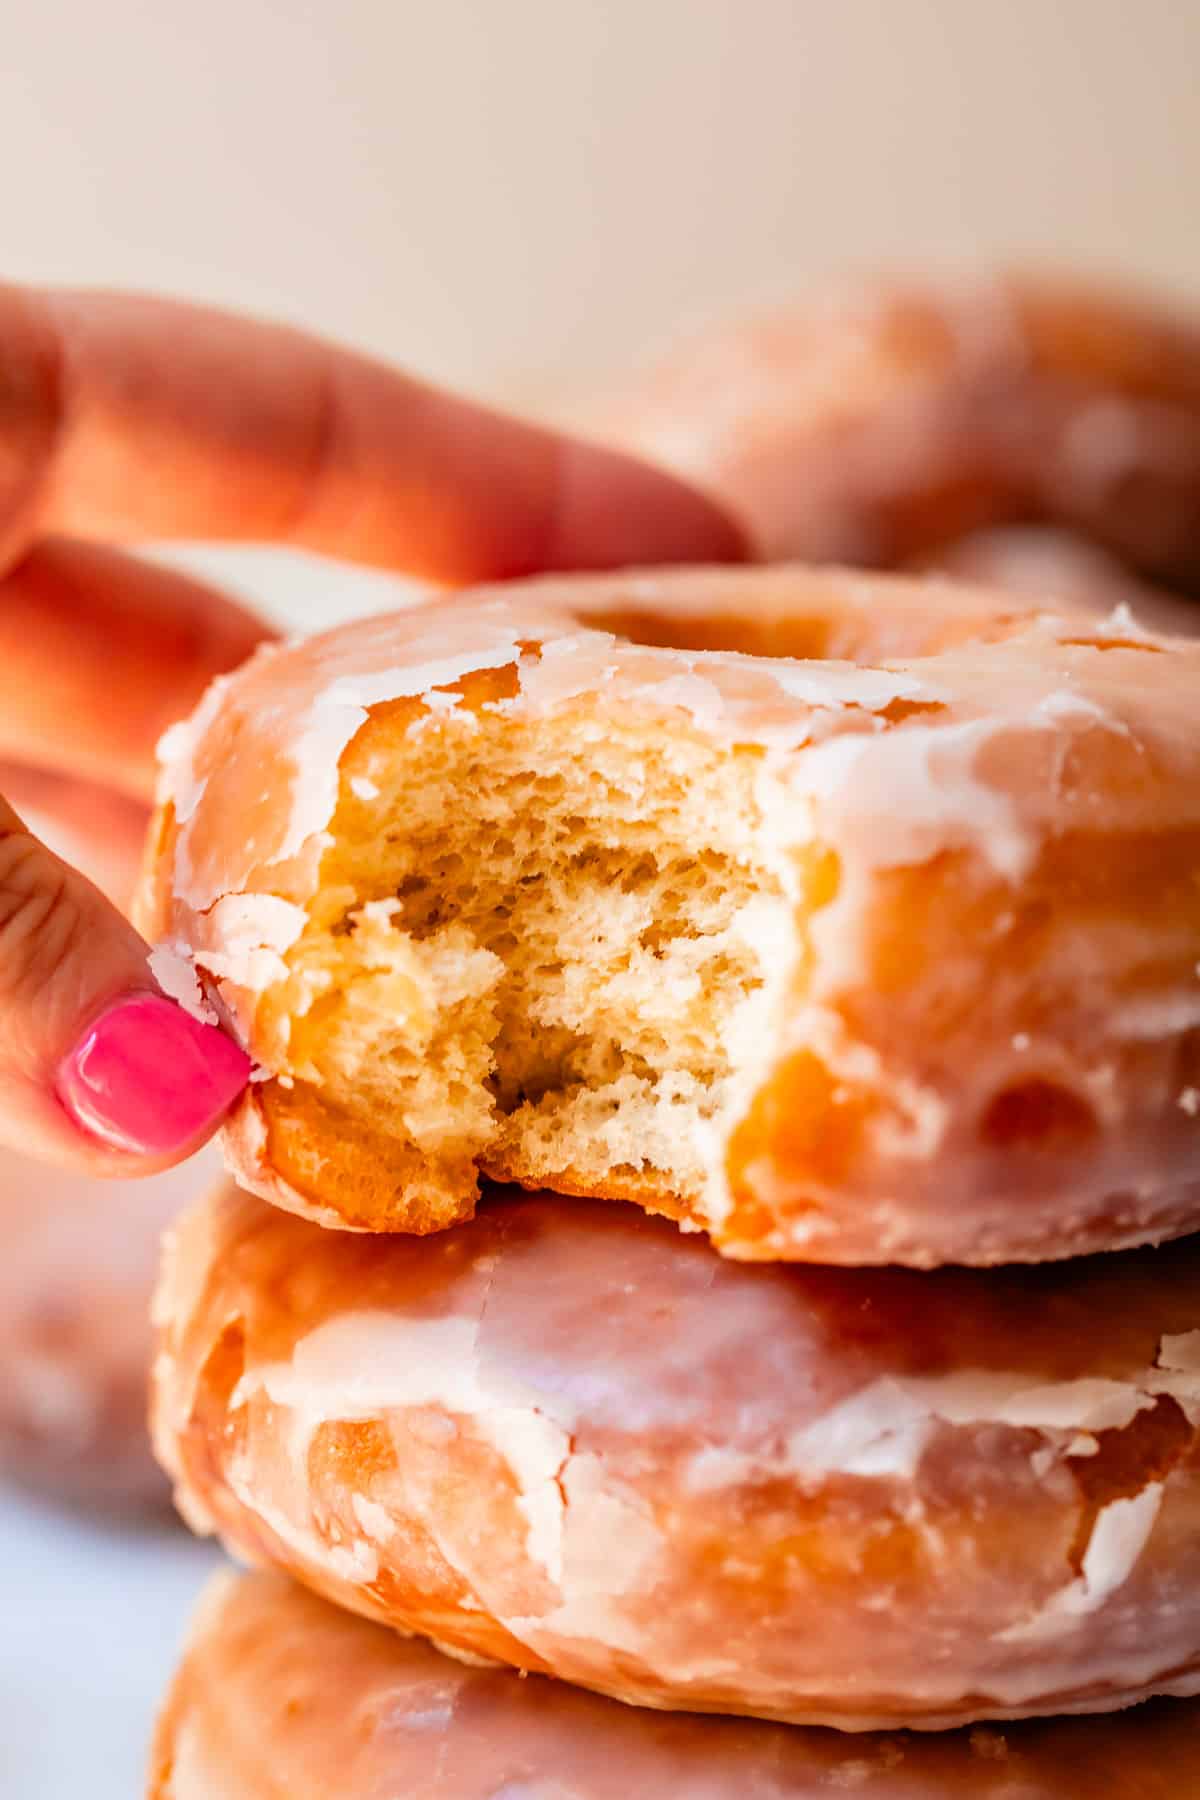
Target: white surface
x=297, y=592
x=93, y=1619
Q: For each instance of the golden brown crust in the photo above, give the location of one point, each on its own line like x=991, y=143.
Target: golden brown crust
x=370, y=1180
x=568, y=1438
x=152, y=897
x=281, y=1697
x=641, y=1187
x=871, y=425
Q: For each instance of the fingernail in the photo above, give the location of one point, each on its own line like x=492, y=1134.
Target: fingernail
x=147, y=1077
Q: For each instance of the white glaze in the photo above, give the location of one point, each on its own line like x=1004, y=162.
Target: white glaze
x=1117, y=1539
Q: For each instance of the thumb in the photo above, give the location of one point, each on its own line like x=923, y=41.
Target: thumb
x=98, y=1069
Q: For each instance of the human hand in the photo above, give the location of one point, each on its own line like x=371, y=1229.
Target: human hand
x=124, y=418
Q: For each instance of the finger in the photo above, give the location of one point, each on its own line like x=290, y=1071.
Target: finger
x=132, y=417
x=101, y=652
x=94, y=828
x=98, y=1070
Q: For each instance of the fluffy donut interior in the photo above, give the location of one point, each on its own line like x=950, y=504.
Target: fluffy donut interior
x=539, y=949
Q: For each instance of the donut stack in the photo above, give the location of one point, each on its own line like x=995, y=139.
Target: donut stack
x=848, y=928
x=888, y=955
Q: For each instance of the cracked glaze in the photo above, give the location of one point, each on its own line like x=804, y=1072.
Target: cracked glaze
x=978, y=1048
x=566, y=1438
x=279, y=1693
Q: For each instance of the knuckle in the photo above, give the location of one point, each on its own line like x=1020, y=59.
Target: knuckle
x=33, y=408
x=41, y=922
x=325, y=428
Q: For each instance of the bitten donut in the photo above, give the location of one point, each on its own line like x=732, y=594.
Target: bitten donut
x=569, y=1438
x=872, y=423
x=78, y=1258
x=280, y=1697
x=877, y=944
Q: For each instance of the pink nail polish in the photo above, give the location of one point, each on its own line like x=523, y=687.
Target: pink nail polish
x=147, y=1077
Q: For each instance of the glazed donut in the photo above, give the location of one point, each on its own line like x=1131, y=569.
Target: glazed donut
x=871, y=424
x=280, y=1697
x=79, y=1257
x=568, y=1438
x=894, y=962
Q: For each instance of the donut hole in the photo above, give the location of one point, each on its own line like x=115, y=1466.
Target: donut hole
x=1037, y=1114
x=543, y=950
x=1107, y=641
x=812, y=636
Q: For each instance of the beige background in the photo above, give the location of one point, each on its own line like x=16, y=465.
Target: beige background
x=501, y=192
x=508, y=193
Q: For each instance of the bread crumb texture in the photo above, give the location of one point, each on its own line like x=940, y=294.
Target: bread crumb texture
x=539, y=948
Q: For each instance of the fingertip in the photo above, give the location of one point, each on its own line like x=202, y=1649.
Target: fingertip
x=148, y=1079
x=614, y=511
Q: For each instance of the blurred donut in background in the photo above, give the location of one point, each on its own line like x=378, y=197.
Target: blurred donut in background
x=281, y=1694
x=78, y=1258
x=1045, y=561
x=76, y=1271
x=879, y=423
